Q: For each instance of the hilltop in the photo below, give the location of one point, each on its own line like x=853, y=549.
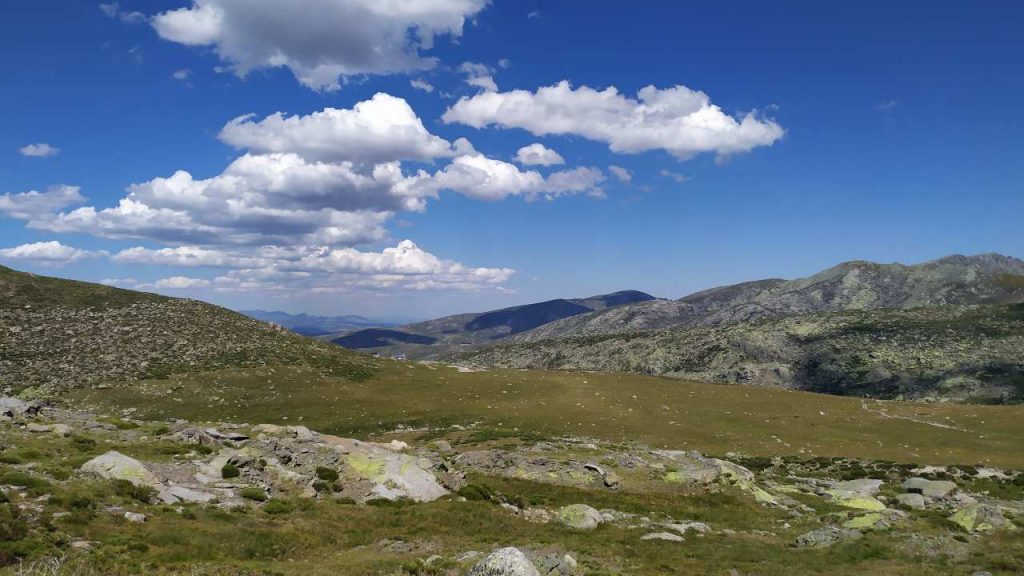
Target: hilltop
x=60, y=334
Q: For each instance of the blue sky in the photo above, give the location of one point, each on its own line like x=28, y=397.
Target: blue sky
x=878, y=131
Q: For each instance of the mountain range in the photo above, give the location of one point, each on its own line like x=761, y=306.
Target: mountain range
x=309, y=325
x=951, y=328
x=433, y=338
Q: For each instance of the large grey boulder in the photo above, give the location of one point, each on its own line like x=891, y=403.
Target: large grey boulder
x=505, y=562
x=862, y=486
x=935, y=489
x=116, y=466
x=15, y=407
x=578, y=517
x=915, y=501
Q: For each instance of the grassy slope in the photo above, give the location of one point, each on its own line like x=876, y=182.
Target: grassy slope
x=661, y=412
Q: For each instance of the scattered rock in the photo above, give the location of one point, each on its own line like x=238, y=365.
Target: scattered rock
x=504, y=562
x=557, y=565
x=667, y=536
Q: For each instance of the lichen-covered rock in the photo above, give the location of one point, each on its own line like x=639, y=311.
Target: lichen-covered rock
x=393, y=475
x=504, y=562
x=980, y=518
x=827, y=536
x=855, y=500
x=116, y=466
x=578, y=517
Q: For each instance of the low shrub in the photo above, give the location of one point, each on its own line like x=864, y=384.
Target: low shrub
x=253, y=493
x=229, y=470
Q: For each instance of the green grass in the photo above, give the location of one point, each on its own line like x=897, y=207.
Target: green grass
x=533, y=405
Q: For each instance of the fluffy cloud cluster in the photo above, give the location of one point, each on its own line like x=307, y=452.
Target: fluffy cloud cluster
x=34, y=204
x=313, y=269
x=330, y=178
x=306, y=190
x=50, y=253
x=321, y=41
x=678, y=120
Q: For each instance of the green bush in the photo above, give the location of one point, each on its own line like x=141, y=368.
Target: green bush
x=326, y=474
x=321, y=486
x=253, y=493
x=229, y=470
x=203, y=449
x=277, y=507
x=475, y=492
x=126, y=489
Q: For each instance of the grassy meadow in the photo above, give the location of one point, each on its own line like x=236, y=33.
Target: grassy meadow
x=713, y=419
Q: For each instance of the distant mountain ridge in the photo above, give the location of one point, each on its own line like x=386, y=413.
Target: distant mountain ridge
x=857, y=285
x=440, y=336
x=950, y=329
x=309, y=325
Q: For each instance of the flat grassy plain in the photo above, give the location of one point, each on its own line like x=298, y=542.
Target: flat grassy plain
x=664, y=413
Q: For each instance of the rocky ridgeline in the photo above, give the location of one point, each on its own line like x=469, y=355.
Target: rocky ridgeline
x=950, y=352
x=58, y=347
x=232, y=466
x=950, y=281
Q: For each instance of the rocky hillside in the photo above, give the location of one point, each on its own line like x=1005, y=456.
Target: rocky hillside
x=434, y=338
x=57, y=334
x=954, y=280
x=972, y=353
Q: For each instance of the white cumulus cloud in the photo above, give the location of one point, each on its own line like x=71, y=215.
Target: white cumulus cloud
x=621, y=174
x=381, y=129
x=678, y=120
x=539, y=155
x=50, y=253
x=321, y=41
x=34, y=204
x=478, y=176
x=40, y=150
